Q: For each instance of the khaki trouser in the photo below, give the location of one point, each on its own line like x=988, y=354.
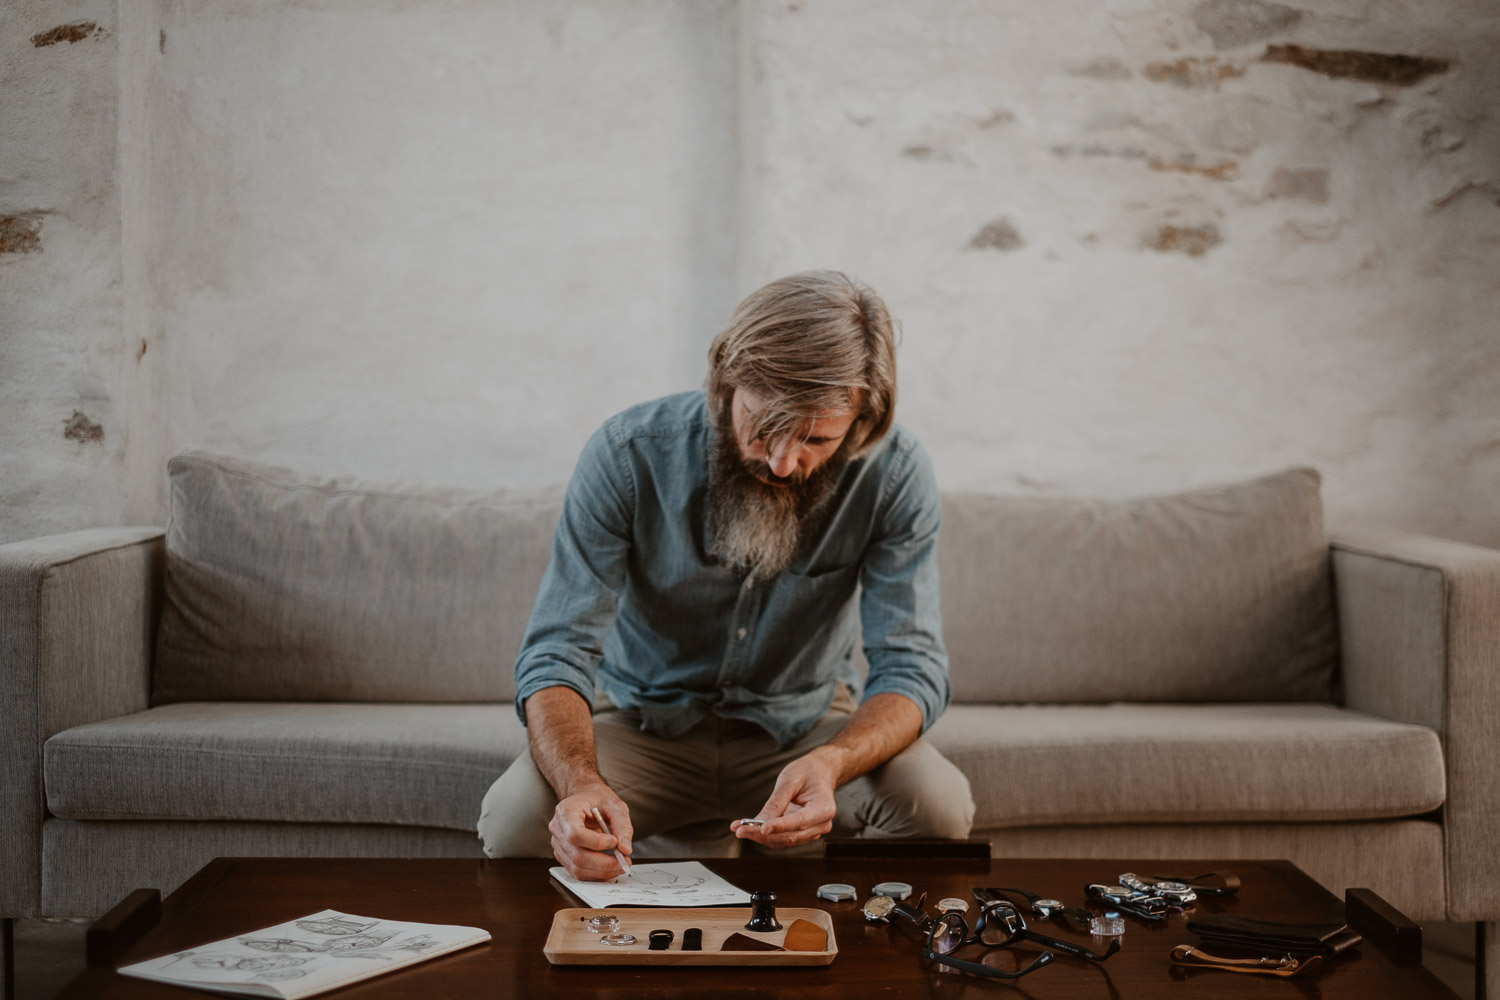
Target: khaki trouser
x=724, y=769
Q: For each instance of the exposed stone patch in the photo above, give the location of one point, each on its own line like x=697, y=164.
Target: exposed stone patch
x=999, y=116
x=997, y=235
x=1302, y=185
x=1195, y=241
x=1101, y=68
x=1231, y=23
x=1304, y=231
x=19, y=234
x=1220, y=171
x=1191, y=72
x=81, y=428
x=1487, y=189
x=1095, y=150
x=1347, y=64
x=69, y=33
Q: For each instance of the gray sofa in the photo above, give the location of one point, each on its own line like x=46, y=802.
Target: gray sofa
x=313, y=666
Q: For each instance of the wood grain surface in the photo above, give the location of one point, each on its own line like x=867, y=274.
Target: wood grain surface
x=516, y=901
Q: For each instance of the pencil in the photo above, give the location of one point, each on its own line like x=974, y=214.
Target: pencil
x=624, y=864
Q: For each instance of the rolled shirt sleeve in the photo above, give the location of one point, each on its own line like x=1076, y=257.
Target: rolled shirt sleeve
x=579, y=594
x=900, y=613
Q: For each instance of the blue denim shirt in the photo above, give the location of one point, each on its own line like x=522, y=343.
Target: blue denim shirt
x=633, y=601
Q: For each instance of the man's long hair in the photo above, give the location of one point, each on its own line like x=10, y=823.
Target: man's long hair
x=809, y=343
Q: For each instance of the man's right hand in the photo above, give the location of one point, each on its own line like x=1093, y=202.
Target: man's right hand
x=577, y=842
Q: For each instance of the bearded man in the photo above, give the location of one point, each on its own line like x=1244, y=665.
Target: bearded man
x=690, y=657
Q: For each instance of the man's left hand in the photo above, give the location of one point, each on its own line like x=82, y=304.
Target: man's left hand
x=801, y=807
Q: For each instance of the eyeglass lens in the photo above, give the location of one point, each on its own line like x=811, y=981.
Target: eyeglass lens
x=949, y=933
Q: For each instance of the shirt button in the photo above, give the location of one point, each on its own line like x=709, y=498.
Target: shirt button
x=741, y=633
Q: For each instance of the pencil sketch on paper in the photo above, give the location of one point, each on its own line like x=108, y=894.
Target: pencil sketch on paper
x=309, y=955
x=336, y=926
x=681, y=883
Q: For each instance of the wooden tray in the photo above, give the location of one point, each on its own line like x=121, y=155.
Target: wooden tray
x=570, y=942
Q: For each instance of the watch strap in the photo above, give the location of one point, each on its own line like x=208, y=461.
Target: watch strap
x=1207, y=884
x=1326, y=939
x=1192, y=957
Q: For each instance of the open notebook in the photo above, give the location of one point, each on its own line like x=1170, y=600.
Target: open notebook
x=309, y=955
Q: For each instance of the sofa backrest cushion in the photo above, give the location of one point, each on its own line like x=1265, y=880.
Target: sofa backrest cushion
x=287, y=587
x=1221, y=594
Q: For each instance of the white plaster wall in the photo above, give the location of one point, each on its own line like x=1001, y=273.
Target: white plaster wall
x=442, y=241
x=68, y=378
x=1346, y=317
x=434, y=241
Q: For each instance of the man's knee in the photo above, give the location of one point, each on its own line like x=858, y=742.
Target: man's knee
x=918, y=793
x=514, y=814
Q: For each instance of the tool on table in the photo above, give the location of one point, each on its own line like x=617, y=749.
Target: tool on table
x=624, y=864
x=836, y=892
x=763, y=912
x=692, y=939
x=659, y=940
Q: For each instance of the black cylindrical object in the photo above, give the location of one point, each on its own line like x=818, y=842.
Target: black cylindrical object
x=763, y=912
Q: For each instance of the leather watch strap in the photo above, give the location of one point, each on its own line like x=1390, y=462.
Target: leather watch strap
x=1193, y=957
x=1228, y=882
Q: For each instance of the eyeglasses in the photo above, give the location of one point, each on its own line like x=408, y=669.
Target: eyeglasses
x=950, y=932
x=1001, y=923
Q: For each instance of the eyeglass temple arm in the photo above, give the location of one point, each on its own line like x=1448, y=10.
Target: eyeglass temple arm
x=1077, y=950
x=975, y=968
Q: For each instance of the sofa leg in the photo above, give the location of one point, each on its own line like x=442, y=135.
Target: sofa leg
x=8, y=933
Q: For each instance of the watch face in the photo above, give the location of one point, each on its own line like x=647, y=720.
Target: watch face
x=878, y=908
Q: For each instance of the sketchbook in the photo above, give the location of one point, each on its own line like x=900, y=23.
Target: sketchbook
x=318, y=952
x=679, y=883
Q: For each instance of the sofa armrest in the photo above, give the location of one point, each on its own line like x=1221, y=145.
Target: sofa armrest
x=77, y=627
x=1419, y=628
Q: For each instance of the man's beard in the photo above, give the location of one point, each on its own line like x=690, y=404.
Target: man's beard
x=758, y=526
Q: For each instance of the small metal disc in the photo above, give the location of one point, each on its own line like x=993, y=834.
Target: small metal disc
x=895, y=890
x=617, y=940
x=953, y=903
x=836, y=891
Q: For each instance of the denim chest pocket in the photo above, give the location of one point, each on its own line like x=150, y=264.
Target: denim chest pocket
x=826, y=589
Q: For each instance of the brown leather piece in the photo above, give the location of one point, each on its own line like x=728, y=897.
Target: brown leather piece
x=804, y=935
x=743, y=942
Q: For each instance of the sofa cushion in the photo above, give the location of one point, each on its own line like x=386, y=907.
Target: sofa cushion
x=430, y=765
x=1037, y=764
x=284, y=587
x=391, y=764
x=1219, y=594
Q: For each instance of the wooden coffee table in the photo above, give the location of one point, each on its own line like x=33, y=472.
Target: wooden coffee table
x=515, y=901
